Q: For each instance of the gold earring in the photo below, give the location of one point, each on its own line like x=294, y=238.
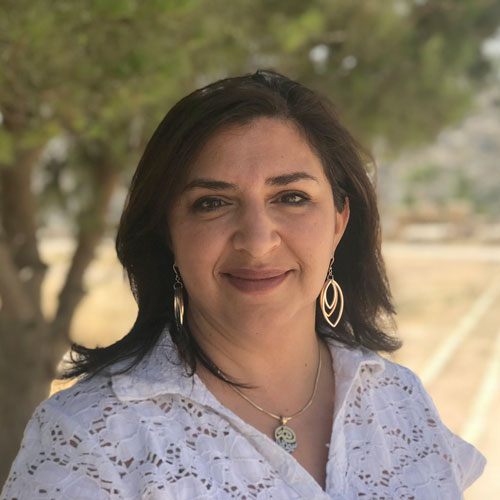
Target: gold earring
x=178, y=298
x=327, y=308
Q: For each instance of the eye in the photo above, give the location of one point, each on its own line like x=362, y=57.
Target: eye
x=208, y=204
x=293, y=198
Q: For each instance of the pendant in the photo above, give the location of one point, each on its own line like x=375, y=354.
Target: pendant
x=285, y=437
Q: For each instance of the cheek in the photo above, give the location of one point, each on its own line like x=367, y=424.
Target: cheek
x=197, y=248
x=315, y=233
x=312, y=241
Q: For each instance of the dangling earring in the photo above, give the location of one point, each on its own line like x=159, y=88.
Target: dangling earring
x=178, y=299
x=327, y=308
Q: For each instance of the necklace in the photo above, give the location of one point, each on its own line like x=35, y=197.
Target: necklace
x=284, y=436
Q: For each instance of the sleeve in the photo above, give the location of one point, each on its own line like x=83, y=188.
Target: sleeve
x=60, y=460
x=468, y=462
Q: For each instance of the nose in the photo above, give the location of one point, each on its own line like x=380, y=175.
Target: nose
x=256, y=232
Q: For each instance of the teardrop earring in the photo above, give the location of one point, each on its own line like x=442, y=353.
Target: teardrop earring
x=178, y=298
x=328, y=307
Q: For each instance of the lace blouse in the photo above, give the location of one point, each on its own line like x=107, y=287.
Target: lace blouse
x=156, y=434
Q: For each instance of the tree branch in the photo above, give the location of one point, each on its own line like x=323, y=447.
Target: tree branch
x=16, y=304
x=18, y=211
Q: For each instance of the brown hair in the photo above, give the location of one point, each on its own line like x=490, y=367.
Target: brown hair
x=142, y=243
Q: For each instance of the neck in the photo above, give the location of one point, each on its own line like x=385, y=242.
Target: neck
x=285, y=353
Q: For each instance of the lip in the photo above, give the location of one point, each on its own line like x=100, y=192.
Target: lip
x=255, y=280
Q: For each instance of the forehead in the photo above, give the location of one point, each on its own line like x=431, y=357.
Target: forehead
x=264, y=147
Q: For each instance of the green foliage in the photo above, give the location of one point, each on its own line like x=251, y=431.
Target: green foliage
x=106, y=71
x=294, y=34
x=423, y=174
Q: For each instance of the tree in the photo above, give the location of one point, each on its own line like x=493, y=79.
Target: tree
x=102, y=73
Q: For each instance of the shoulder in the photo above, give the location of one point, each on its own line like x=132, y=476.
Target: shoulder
x=400, y=379
x=80, y=403
x=61, y=453
x=372, y=372
x=467, y=462
x=67, y=423
x=389, y=402
x=362, y=366
x=122, y=389
x=94, y=412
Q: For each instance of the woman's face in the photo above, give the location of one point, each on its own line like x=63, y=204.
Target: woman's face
x=255, y=227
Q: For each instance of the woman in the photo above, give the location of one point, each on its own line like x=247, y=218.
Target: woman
x=251, y=240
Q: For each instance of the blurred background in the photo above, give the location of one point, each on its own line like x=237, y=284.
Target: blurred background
x=84, y=84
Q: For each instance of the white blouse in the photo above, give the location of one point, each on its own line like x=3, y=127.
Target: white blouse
x=156, y=434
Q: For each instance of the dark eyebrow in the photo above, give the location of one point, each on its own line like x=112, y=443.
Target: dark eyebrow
x=283, y=180
x=280, y=180
x=209, y=184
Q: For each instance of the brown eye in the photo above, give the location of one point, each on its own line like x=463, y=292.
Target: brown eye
x=208, y=204
x=293, y=198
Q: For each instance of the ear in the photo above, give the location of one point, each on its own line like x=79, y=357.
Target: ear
x=341, y=220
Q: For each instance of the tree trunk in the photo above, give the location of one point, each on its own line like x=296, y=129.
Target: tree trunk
x=25, y=378
x=92, y=228
x=31, y=348
x=18, y=209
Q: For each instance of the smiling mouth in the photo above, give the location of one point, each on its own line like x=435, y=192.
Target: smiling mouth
x=256, y=281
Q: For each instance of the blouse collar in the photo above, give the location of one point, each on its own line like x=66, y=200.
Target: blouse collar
x=163, y=372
